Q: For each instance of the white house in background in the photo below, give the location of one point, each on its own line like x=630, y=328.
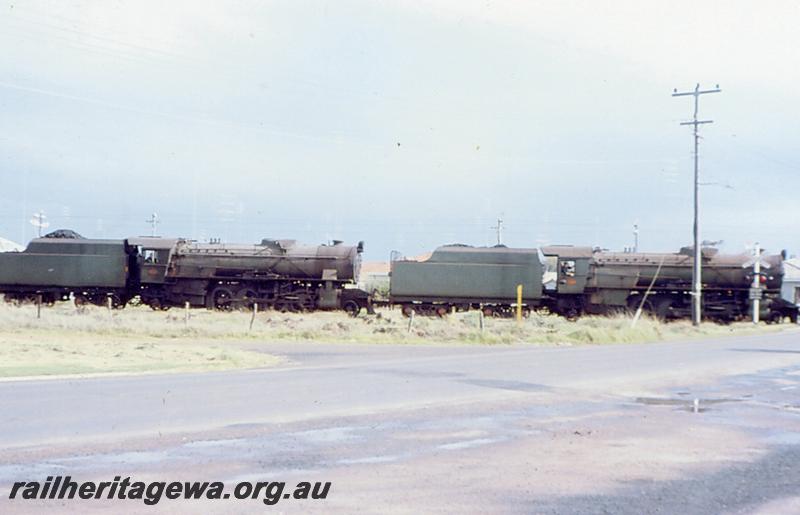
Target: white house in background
x=10, y=246
x=790, y=291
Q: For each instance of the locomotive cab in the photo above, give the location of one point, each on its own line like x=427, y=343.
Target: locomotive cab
x=153, y=258
x=566, y=276
x=567, y=268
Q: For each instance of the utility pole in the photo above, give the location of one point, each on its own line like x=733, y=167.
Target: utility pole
x=499, y=229
x=697, y=288
x=153, y=221
x=39, y=221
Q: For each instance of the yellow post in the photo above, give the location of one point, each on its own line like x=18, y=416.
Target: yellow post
x=519, y=303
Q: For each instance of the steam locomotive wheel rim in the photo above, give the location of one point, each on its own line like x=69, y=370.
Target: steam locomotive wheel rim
x=245, y=298
x=223, y=299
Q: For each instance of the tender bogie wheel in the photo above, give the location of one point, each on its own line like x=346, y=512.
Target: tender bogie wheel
x=352, y=308
x=442, y=311
x=158, y=305
x=407, y=310
x=116, y=301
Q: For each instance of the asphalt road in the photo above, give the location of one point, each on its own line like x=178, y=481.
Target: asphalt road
x=439, y=429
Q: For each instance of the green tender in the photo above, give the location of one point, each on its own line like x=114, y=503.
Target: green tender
x=469, y=273
x=65, y=263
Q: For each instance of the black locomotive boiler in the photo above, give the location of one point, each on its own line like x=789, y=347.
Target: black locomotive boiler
x=278, y=274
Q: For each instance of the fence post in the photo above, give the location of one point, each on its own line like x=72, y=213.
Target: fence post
x=253, y=316
x=38, y=305
x=519, y=304
x=186, y=314
x=410, y=321
x=480, y=318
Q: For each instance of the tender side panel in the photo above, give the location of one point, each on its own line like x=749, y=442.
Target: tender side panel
x=465, y=280
x=65, y=266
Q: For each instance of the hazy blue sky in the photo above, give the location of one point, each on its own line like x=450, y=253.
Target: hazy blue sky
x=403, y=124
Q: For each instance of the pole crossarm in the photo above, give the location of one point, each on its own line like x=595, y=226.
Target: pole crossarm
x=696, y=92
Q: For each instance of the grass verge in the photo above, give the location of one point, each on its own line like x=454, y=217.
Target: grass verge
x=64, y=342
x=95, y=340
x=133, y=324
x=37, y=354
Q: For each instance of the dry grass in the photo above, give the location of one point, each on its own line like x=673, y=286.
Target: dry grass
x=135, y=323
x=96, y=341
x=139, y=340
x=37, y=354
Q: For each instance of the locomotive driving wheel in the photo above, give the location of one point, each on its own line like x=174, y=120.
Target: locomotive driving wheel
x=246, y=298
x=222, y=298
x=282, y=306
x=656, y=306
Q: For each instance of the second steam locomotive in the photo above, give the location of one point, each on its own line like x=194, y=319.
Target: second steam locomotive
x=572, y=281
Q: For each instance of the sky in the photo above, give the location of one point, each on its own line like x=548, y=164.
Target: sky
x=403, y=124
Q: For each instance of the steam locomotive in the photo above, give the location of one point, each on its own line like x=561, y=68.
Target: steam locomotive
x=572, y=281
x=278, y=274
